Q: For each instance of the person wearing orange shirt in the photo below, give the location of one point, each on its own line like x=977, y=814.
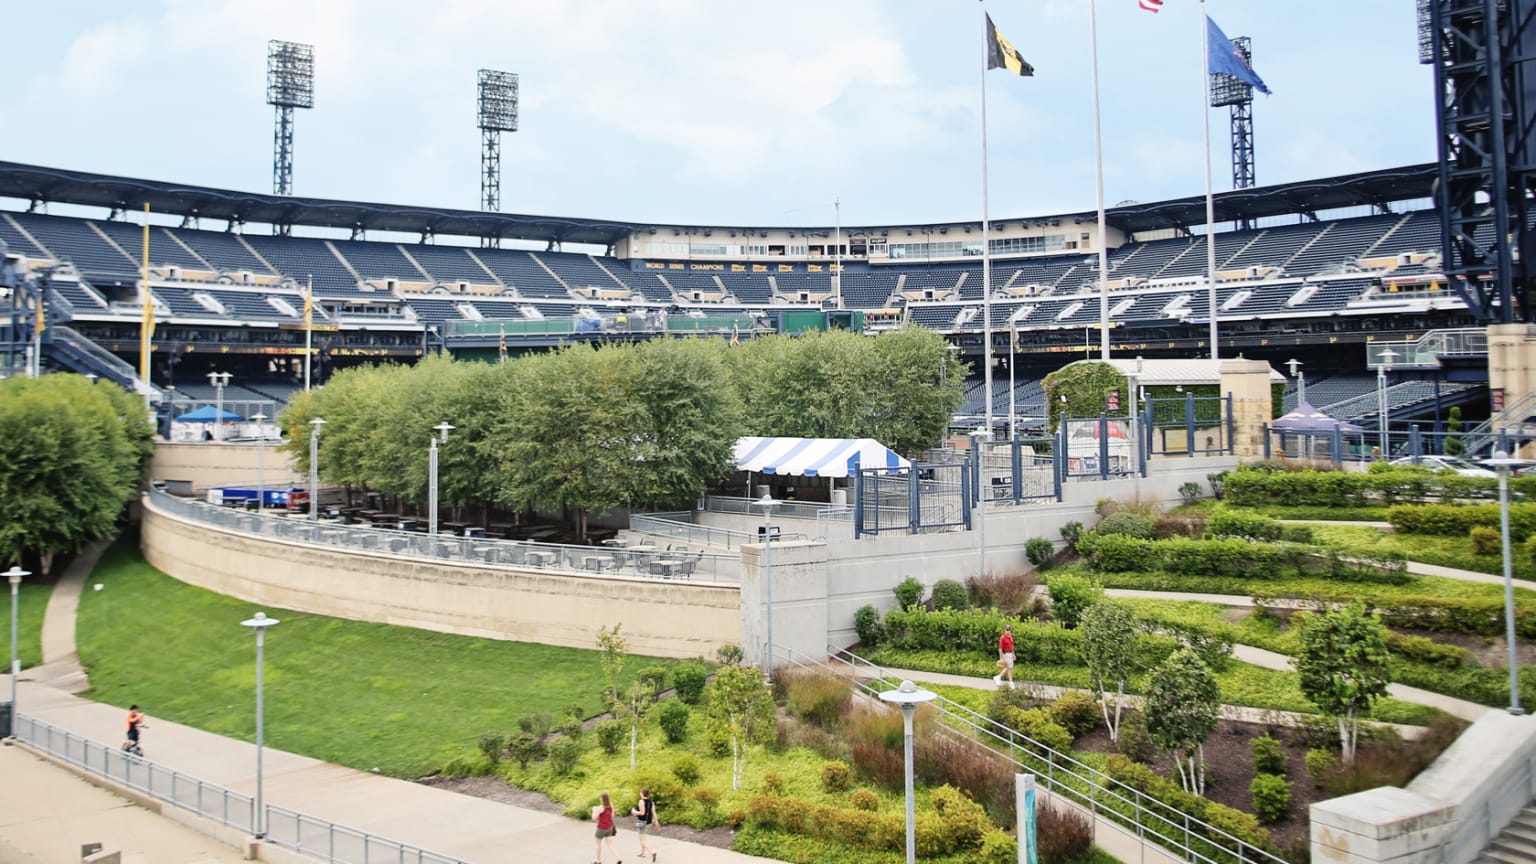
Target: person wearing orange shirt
x=1005, y=657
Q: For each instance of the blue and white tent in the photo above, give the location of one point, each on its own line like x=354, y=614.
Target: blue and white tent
x=815, y=457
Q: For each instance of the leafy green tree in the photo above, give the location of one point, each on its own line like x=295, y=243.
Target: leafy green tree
x=1454, y=446
x=739, y=704
x=1343, y=665
x=1109, y=651
x=1182, y=706
x=72, y=454
x=614, y=648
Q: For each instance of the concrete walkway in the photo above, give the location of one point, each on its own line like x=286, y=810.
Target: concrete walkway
x=61, y=668
x=447, y=823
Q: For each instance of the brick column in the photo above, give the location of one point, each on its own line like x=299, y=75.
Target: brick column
x=1247, y=382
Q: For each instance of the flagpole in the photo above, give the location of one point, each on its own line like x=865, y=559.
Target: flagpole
x=309, y=327
x=1210, y=201
x=837, y=250
x=1098, y=169
x=1013, y=353
x=986, y=230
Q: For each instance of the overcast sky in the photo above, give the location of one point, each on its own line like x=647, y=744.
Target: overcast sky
x=728, y=113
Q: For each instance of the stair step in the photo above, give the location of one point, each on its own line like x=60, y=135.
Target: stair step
x=1500, y=856
x=1526, y=820
x=1515, y=846
x=1524, y=832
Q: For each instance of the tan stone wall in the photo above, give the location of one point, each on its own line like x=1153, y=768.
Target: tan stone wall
x=662, y=619
x=1512, y=360
x=219, y=463
x=1247, y=381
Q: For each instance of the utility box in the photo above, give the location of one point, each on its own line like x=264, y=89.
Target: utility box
x=5, y=719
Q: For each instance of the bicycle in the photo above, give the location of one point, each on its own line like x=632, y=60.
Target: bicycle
x=131, y=748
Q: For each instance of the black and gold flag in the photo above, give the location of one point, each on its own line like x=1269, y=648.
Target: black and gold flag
x=1002, y=55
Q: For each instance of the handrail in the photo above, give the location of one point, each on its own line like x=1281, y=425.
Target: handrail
x=1513, y=414
x=678, y=525
x=1468, y=827
x=1056, y=763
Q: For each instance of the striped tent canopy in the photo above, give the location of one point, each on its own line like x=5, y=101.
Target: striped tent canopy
x=814, y=457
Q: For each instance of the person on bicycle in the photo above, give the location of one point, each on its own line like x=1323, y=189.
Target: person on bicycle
x=135, y=721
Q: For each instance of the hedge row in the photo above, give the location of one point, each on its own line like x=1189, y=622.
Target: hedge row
x=1235, y=558
x=1478, y=616
x=1256, y=488
x=978, y=630
x=958, y=825
x=1452, y=520
x=1173, y=804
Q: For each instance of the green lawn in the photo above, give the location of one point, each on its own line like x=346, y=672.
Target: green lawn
x=401, y=700
x=31, y=600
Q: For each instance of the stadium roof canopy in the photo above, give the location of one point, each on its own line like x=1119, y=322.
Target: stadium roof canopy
x=55, y=185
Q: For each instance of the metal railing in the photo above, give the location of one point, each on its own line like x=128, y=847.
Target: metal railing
x=1514, y=415
x=1499, y=807
x=1133, y=812
x=643, y=561
x=326, y=840
x=679, y=526
x=227, y=807
x=341, y=844
x=748, y=506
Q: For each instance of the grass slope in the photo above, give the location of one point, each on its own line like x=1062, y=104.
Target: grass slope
x=401, y=700
x=31, y=601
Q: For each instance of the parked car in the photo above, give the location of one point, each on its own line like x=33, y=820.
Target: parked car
x=1447, y=463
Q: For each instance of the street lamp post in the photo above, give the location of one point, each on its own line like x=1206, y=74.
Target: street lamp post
x=1301, y=379
x=985, y=485
x=259, y=622
x=219, y=380
x=908, y=696
x=261, y=461
x=1502, y=462
x=14, y=576
x=1381, y=399
x=314, y=468
x=442, y=430
x=1134, y=396
x=767, y=503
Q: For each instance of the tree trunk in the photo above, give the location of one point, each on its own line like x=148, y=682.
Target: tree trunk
x=1347, y=733
x=633, y=734
x=1114, y=731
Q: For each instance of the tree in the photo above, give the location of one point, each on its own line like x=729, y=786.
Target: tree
x=1453, y=443
x=72, y=454
x=1182, y=705
x=1343, y=667
x=739, y=703
x=1109, y=651
x=614, y=648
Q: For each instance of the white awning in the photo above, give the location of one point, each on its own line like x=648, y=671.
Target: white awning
x=814, y=457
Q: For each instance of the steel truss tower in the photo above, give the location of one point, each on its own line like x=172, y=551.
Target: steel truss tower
x=497, y=102
x=1227, y=90
x=290, y=85
x=1485, y=99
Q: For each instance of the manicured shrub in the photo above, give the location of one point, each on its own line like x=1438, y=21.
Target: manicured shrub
x=1456, y=520
x=864, y=799
x=1062, y=836
x=835, y=776
x=688, y=679
x=611, y=735
x=1072, y=532
x=909, y=593
x=977, y=631
x=1268, y=755
x=1010, y=592
x=1127, y=523
x=1426, y=650
x=729, y=654
x=1271, y=797
x=1322, y=764
x=1070, y=596
x=1530, y=548
x=964, y=821
x=686, y=770
x=1296, y=534
x=564, y=752
x=491, y=744
x=1135, y=744
x=866, y=622
x=773, y=783
x=968, y=766
x=949, y=594
x=998, y=847
x=1076, y=712
x=1039, y=551
x=1485, y=541
x=708, y=802
x=655, y=677
x=673, y=719
x=1242, y=524
x=1036, y=725
x=523, y=747
x=571, y=727
x=1190, y=492
x=537, y=724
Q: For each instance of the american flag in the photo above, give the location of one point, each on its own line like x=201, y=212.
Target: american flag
x=1151, y=5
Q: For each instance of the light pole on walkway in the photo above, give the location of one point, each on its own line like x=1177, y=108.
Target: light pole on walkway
x=314, y=468
x=259, y=622
x=983, y=483
x=1503, y=463
x=767, y=503
x=442, y=430
x=219, y=380
x=908, y=696
x=14, y=576
x=1381, y=400
x=261, y=461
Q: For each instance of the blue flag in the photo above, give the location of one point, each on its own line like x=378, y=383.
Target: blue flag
x=1225, y=59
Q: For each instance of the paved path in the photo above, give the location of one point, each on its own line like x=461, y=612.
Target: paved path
x=61, y=662
x=448, y=823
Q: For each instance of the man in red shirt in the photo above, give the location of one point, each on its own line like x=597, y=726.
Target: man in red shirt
x=1005, y=657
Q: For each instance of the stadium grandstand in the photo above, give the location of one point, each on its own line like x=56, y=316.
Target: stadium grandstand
x=1332, y=266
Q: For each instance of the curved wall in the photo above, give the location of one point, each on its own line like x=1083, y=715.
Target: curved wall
x=661, y=619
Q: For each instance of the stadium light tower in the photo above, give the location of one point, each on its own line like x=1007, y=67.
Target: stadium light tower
x=290, y=85
x=498, y=113
x=1227, y=90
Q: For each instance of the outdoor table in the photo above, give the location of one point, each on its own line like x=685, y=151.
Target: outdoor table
x=540, y=558
x=596, y=562
x=665, y=566
x=616, y=542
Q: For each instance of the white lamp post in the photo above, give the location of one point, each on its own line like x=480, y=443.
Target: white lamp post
x=14, y=576
x=1381, y=399
x=261, y=461
x=314, y=468
x=767, y=503
x=1301, y=379
x=259, y=622
x=984, y=483
x=908, y=696
x=442, y=430
x=219, y=380
x=1502, y=462
x=1135, y=397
